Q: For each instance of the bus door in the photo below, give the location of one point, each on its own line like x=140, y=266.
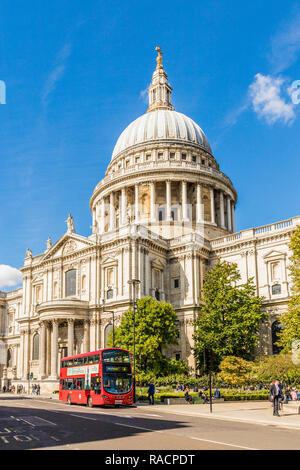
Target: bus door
x=96, y=385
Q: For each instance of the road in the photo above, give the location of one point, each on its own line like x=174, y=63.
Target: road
x=39, y=423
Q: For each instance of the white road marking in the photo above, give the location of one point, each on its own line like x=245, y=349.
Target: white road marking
x=194, y=438
x=84, y=417
x=137, y=427
x=221, y=443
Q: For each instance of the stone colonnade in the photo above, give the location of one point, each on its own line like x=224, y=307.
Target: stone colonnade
x=51, y=347
x=105, y=208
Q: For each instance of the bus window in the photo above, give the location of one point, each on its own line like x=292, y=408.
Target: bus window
x=113, y=355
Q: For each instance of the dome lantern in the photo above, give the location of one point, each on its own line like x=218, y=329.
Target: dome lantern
x=160, y=90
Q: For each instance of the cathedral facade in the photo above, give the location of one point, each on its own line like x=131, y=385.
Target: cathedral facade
x=163, y=215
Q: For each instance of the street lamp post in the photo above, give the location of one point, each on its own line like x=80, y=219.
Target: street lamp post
x=134, y=282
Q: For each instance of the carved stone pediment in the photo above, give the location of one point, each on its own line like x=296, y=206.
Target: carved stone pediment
x=68, y=244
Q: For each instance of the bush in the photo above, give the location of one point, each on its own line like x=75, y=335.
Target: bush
x=228, y=395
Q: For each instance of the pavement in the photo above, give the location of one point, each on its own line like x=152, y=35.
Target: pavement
x=256, y=412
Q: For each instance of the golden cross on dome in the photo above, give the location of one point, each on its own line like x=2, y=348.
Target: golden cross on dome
x=159, y=57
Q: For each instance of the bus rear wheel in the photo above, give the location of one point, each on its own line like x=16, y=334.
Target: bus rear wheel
x=89, y=402
x=69, y=400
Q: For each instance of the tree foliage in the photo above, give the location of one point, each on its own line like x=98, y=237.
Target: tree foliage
x=281, y=366
x=290, y=319
x=235, y=371
x=155, y=329
x=230, y=318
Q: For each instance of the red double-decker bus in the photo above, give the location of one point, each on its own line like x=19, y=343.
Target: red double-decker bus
x=101, y=377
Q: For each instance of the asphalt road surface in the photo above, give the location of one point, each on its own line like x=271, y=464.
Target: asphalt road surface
x=38, y=423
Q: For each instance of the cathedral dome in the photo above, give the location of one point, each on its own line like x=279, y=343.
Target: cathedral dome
x=162, y=124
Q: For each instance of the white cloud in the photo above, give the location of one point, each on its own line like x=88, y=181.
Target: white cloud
x=144, y=95
x=9, y=276
x=267, y=102
x=285, y=44
x=56, y=73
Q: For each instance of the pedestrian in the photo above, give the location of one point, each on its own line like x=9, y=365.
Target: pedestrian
x=187, y=396
x=294, y=394
x=217, y=393
x=151, y=391
x=38, y=389
x=275, y=393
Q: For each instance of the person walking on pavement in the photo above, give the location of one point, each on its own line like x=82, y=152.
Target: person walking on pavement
x=151, y=391
x=275, y=391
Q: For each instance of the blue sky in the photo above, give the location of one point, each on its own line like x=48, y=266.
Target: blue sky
x=75, y=73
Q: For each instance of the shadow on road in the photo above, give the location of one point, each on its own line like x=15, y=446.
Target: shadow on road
x=26, y=427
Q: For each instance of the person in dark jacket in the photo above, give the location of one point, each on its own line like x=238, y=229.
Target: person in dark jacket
x=276, y=393
x=151, y=391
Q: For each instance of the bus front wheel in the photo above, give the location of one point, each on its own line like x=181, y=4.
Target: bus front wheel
x=89, y=402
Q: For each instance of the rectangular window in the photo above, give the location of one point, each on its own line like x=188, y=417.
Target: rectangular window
x=160, y=156
x=70, y=278
x=194, y=158
x=176, y=283
x=172, y=155
x=183, y=156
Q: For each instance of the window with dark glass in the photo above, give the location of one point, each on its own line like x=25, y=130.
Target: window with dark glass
x=36, y=347
x=70, y=282
x=109, y=294
x=276, y=289
x=176, y=283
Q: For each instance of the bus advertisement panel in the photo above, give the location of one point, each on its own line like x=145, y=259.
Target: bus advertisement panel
x=101, y=377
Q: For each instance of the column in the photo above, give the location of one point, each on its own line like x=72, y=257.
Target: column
x=42, y=349
x=168, y=201
x=26, y=353
x=86, y=336
x=233, y=217
x=212, y=205
x=199, y=217
x=184, y=201
x=152, y=202
x=136, y=203
x=123, y=206
x=229, y=226
x=222, y=213
x=102, y=215
x=70, y=336
x=111, y=211
x=54, y=349
x=22, y=373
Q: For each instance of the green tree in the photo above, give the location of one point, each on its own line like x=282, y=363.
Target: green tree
x=290, y=319
x=281, y=366
x=230, y=318
x=155, y=329
x=235, y=371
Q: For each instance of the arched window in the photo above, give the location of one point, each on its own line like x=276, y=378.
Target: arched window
x=36, y=347
x=9, y=358
x=107, y=331
x=70, y=282
x=276, y=328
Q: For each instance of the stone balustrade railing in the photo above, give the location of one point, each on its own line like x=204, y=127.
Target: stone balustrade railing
x=148, y=166
x=256, y=232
